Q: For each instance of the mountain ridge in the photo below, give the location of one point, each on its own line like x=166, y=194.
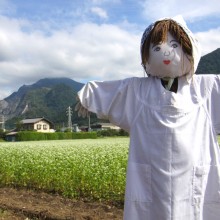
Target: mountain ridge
x=209, y=63
x=47, y=82
x=49, y=97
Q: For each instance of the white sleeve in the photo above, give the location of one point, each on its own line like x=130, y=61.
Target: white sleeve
x=114, y=100
x=214, y=102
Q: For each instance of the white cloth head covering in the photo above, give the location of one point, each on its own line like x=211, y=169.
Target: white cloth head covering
x=196, y=51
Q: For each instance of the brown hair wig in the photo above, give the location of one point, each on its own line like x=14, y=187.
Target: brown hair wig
x=159, y=34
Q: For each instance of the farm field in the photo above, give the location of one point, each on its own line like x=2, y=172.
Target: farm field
x=38, y=179
x=73, y=179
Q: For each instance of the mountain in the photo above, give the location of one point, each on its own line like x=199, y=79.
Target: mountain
x=210, y=63
x=47, y=98
x=50, y=97
x=46, y=83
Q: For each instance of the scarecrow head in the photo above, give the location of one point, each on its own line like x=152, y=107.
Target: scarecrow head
x=168, y=49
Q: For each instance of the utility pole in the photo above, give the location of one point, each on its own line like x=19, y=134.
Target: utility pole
x=69, y=115
x=2, y=122
x=89, y=129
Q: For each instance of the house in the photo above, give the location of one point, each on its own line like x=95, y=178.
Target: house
x=11, y=136
x=104, y=126
x=36, y=124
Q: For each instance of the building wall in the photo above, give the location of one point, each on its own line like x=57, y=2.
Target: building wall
x=42, y=126
x=28, y=127
x=109, y=126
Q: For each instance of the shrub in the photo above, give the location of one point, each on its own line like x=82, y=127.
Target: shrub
x=37, y=136
x=112, y=133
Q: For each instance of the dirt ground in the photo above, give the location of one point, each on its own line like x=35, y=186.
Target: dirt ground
x=20, y=204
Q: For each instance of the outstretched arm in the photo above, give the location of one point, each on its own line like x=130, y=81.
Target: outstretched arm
x=215, y=104
x=210, y=90
x=113, y=100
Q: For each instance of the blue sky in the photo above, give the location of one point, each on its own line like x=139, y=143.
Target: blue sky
x=88, y=39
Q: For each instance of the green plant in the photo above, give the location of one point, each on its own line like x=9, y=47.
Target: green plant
x=92, y=169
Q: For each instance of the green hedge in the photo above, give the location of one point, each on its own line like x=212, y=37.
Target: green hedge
x=37, y=136
x=112, y=133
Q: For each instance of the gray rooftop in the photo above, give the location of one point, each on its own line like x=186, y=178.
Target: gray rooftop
x=31, y=120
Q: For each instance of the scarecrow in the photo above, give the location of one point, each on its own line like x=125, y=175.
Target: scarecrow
x=173, y=118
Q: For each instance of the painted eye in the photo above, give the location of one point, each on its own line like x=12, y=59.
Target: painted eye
x=157, y=49
x=174, y=45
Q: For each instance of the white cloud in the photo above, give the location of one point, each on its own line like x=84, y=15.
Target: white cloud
x=100, y=2
x=188, y=9
x=192, y=11
x=99, y=12
x=209, y=40
x=88, y=51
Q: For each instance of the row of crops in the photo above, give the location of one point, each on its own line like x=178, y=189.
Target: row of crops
x=92, y=169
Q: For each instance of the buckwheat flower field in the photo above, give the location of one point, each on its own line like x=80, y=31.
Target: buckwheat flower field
x=92, y=169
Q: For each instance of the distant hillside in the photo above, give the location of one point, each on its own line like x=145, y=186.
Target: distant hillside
x=47, y=98
x=50, y=97
x=46, y=83
x=210, y=63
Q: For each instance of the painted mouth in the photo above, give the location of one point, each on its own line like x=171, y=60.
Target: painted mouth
x=166, y=62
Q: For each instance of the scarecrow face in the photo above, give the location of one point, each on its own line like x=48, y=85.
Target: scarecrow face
x=167, y=59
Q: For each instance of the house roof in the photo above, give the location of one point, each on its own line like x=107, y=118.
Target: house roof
x=34, y=120
x=107, y=125
x=104, y=125
x=31, y=120
x=11, y=133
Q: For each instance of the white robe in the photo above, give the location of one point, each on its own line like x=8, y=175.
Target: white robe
x=173, y=169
